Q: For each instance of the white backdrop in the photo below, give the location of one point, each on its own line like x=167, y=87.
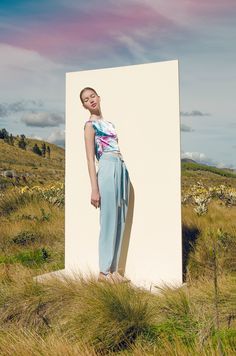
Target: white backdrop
x=143, y=103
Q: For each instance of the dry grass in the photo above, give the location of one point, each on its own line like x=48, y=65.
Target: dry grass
x=41, y=169
x=116, y=318
x=84, y=317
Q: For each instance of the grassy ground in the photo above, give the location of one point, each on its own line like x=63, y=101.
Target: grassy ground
x=85, y=317
x=41, y=170
x=69, y=316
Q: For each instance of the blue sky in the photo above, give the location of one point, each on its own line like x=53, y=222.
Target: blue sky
x=40, y=41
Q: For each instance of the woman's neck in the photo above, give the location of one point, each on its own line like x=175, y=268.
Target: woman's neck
x=96, y=117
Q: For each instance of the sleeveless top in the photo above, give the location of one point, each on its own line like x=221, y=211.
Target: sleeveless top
x=105, y=137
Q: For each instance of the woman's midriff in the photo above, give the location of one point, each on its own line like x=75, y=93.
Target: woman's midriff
x=112, y=153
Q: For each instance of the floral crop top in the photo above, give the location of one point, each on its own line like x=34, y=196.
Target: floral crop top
x=105, y=137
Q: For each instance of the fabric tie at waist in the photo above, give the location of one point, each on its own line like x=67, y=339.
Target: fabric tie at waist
x=122, y=186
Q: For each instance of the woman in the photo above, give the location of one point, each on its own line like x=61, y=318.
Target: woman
x=110, y=184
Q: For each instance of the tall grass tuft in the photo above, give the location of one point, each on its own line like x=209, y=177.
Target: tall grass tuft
x=117, y=318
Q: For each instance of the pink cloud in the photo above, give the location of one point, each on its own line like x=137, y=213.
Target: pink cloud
x=73, y=32
x=208, y=7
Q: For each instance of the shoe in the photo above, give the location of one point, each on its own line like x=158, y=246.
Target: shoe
x=117, y=277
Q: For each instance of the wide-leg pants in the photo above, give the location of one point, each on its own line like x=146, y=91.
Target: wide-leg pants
x=114, y=187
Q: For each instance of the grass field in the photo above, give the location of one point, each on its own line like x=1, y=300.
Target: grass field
x=85, y=317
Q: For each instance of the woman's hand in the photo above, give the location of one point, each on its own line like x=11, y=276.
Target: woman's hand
x=95, y=198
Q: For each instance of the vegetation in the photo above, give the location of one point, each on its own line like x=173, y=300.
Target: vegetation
x=193, y=166
x=29, y=166
x=78, y=316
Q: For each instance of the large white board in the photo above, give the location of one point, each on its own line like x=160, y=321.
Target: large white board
x=143, y=102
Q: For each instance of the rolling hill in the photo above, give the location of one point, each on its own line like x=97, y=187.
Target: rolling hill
x=29, y=167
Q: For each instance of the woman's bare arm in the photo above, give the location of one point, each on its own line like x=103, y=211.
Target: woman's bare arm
x=89, y=134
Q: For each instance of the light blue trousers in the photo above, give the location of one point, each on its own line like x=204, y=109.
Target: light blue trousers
x=114, y=188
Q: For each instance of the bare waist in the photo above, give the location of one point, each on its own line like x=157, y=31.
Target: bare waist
x=116, y=153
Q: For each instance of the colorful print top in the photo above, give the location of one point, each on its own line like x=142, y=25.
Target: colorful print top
x=105, y=137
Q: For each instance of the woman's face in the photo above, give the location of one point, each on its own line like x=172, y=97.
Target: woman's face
x=91, y=101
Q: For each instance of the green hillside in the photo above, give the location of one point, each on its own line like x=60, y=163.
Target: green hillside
x=43, y=170
x=209, y=175
x=36, y=169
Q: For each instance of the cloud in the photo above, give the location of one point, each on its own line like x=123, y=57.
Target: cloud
x=35, y=137
x=185, y=128
x=224, y=165
x=196, y=156
x=26, y=74
x=200, y=157
x=67, y=29
x=42, y=119
x=194, y=113
x=67, y=38
x=7, y=109
x=231, y=124
x=57, y=137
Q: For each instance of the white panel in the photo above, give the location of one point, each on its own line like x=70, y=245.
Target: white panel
x=143, y=103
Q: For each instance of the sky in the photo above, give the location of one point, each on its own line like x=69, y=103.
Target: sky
x=42, y=40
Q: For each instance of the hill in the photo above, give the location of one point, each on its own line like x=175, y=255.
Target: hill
x=28, y=167
x=191, y=171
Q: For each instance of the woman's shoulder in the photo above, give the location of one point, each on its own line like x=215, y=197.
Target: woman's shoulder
x=99, y=124
x=90, y=121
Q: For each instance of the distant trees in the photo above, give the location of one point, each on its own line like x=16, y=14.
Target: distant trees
x=22, y=143
x=11, y=140
x=43, y=151
x=4, y=135
x=48, y=151
x=37, y=150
